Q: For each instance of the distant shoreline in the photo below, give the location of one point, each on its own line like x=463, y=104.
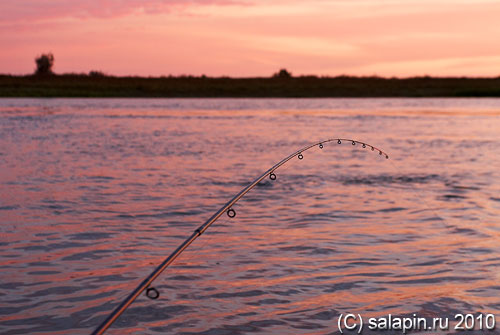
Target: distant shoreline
x=71, y=85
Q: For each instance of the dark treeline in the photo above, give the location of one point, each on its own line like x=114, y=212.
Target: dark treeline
x=97, y=84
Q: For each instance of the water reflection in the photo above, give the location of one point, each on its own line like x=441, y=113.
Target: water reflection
x=95, y=196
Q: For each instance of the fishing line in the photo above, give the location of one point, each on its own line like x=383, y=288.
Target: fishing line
x=228, y=210
x=221, y=223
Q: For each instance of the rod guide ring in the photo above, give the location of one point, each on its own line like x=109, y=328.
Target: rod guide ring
x=152, y=293
x=231, y=213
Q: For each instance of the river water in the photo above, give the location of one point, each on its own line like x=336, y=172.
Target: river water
x=96, y=192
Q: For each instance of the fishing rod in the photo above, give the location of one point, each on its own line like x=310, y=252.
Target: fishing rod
x=152, y=292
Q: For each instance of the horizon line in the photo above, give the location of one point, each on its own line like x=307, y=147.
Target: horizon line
x=98, y=74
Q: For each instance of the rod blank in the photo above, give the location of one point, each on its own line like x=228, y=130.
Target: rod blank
x=145, y=285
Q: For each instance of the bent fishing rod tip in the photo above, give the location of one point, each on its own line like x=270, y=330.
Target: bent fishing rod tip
x=152, y=292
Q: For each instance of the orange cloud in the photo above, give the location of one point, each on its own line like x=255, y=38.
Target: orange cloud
x=42, y=9
x=254, y=37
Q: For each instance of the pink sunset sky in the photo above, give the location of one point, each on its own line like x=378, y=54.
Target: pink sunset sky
x=245, y=38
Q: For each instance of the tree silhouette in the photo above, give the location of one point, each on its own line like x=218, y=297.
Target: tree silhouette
x=283, y=73
x=96, y=73
x=44, y=64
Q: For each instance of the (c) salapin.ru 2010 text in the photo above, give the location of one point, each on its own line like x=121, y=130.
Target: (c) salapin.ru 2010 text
x=354, y=322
